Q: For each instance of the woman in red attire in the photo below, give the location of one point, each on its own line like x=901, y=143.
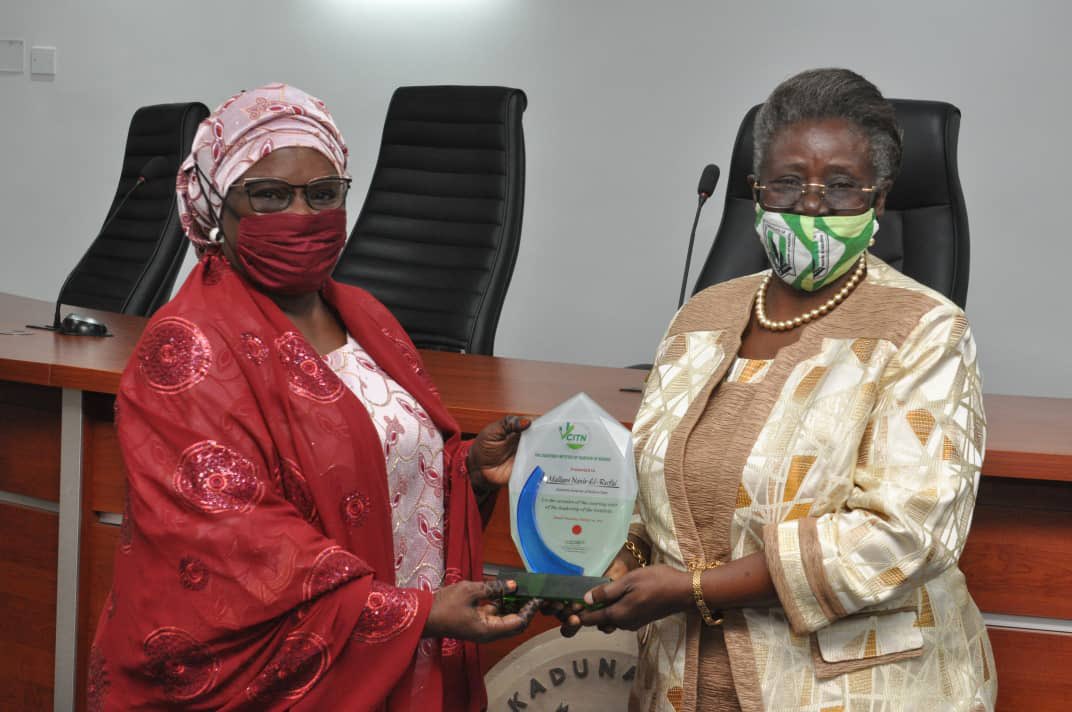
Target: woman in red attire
x=301, y=529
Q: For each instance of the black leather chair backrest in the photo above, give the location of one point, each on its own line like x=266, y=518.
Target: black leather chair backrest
x=131, y=266
x=923, y=233
x=437, y=238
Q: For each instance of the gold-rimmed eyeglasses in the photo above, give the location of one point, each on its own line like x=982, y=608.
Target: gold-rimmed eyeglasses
x=784, y=193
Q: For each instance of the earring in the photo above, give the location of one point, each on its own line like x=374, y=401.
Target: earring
x=871, y=242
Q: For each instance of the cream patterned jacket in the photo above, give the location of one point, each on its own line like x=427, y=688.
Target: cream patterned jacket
x=853, y=465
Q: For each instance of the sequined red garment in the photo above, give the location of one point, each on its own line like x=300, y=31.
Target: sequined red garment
x=308, y=375
x=259, y=557
x=183, y=667
x=297, y=666
x=355, y=508
x=332, y=567
x=388, y=612
x=255, y=349
x=409, y=353
x=450, y=646
x=297, y=490
x=216, y=479
x=174, y=355
x=96, y=681
x=213, y=273
x=126, y=527
x=192, y=573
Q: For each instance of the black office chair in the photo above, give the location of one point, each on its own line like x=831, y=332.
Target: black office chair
x=923, y=233
x=132, y=265
x=437, y=238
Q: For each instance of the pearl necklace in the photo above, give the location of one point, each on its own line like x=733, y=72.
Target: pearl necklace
x=821, y=310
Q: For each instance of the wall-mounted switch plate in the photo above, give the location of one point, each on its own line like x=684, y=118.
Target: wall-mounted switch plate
x=43, y=60
x=11, y=55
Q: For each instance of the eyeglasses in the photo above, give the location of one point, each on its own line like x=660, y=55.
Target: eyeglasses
x=787, y=192
x=272, y=195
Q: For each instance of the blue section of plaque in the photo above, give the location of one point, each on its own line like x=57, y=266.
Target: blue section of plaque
x=538, y=555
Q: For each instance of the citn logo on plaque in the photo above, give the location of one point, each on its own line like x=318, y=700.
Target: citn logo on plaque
x=590, y=672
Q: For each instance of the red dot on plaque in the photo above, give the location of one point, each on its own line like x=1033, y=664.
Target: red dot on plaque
x=576, y=529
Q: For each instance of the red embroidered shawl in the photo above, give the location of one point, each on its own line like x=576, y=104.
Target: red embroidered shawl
x=256, y=566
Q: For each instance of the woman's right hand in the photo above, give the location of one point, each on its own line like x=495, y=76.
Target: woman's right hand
x=463, y=611
x=623, y=563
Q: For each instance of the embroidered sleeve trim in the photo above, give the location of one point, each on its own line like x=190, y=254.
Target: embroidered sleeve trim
x=388, y=612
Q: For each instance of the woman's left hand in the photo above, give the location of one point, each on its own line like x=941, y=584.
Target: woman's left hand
x=637, y=598
x=491, y=458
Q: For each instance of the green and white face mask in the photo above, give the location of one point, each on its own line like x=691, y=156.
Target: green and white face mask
x=809, y=252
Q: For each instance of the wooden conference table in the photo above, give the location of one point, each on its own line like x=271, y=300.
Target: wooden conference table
x=62, y=488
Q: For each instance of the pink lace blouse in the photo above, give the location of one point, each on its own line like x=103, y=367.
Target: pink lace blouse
x=413, y=448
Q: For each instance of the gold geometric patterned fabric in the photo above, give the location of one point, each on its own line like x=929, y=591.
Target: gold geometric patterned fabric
x=683, y=366
x=748, y=370
x=857, y=482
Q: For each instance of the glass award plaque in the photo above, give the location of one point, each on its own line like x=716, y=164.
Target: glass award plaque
x=572, y=491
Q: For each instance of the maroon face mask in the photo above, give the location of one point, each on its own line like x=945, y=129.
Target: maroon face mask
x=289, y=253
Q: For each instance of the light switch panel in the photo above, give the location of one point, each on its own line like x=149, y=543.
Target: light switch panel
x=43, y=60
x=11, y=55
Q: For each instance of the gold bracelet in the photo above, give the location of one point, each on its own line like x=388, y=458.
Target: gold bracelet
x=637, y=553
x=697, y=593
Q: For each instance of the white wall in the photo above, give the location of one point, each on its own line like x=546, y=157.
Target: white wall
x=627, y=101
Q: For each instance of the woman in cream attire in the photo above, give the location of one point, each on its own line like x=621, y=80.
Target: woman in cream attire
x=808, y=446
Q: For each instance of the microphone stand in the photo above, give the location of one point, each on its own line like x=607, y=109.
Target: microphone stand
x=56, y=325
x=688, y=255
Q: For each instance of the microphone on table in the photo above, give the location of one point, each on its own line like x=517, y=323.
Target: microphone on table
x=74, y=324
x=708, y=181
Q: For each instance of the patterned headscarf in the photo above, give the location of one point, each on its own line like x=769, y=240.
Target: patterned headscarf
x=243, y=130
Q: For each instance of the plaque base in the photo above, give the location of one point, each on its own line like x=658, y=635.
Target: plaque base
x=550, y=587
